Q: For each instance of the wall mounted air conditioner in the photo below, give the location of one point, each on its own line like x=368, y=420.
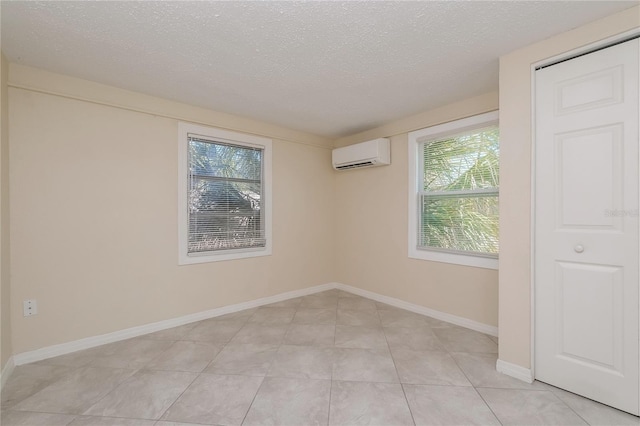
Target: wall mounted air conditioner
x=372, y=153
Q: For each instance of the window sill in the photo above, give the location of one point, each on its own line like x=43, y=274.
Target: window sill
x=184, y=259
x=454, y=258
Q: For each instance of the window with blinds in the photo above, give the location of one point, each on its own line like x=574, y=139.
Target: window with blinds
x=454, y=192
x=225, y=195
x=459, y=196
x=225, y=185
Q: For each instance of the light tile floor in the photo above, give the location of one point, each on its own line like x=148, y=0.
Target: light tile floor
x=332, y=358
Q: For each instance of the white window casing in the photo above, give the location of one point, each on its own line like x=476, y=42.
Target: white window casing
x=417, y=197
x=224, y=195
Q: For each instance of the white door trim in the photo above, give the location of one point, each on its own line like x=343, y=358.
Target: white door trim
x=600, y=44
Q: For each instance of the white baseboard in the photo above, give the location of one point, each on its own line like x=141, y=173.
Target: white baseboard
x=514, y=371
x=90, y=342
x=6, y=372
x=442, y=316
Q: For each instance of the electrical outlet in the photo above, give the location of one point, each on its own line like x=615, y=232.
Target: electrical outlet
x=30, y=307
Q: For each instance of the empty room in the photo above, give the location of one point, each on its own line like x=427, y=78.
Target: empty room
x=319, y=213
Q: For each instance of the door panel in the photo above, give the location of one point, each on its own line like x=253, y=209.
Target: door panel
x=589, y=91
x=584, y=193
x=586, y=226
x=595, y=338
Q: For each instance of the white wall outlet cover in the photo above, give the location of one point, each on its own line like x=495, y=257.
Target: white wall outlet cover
x=30, y=307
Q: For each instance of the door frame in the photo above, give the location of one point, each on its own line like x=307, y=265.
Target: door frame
x=592, y=47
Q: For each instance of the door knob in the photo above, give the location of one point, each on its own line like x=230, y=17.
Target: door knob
x=578, y=248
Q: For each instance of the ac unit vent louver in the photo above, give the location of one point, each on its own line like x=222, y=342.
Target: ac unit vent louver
x=356, y=165
x=366, y=154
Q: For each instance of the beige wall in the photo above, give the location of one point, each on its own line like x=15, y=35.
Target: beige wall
x=95, y=204
x=371, y=234
x=5, y=286
x=515, y=176
x=94, y=208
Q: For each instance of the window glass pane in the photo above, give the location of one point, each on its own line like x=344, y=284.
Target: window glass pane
x=225, y=197
x=463, y=162
x=221, y=160
x=467, y=223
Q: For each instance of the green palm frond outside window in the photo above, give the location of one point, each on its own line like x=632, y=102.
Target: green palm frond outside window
x=459, y=197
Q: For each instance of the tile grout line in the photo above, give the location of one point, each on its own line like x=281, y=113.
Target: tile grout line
x=198, y=374
x=215, y=357
x=569, y=407
x=179, y=396
x=244, y=418
x=335, y=350
x=333, y=360
x=136, y=371
x=264, y=378
x=470, y=382
x=487, y=404
x=396, y=368
x=455, y=361
x=162, y=352
x=330, y=397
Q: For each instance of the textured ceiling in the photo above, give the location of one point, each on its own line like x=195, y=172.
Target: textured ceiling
x=328, y=68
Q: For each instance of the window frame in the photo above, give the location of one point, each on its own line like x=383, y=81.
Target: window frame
x=415, y=140
x=225, y=137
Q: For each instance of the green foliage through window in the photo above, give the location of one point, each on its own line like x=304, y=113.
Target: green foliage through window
x=459, y=197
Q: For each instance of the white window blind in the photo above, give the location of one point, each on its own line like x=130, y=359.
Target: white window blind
x=225, y=196
x=458, y=192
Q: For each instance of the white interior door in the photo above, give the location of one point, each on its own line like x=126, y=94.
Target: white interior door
x=586, y=226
